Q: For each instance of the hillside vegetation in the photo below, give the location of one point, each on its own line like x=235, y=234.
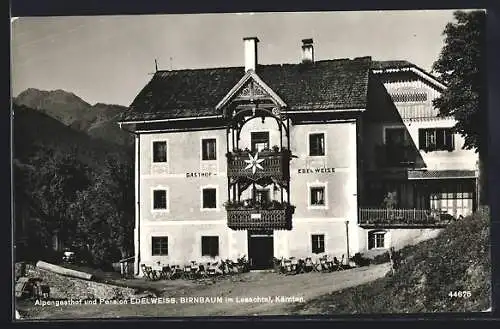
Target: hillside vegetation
x=429, y=280
x=70, y=185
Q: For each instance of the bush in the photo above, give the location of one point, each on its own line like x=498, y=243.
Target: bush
x=359, y=260
x=380, y=259
x=456, y=260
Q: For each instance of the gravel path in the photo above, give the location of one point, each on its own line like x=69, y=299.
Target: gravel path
x=266, y=286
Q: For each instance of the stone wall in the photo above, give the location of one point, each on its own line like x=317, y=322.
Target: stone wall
x=63, y=287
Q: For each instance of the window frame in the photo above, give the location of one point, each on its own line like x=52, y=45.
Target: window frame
x=426, y=134
x=308, y=142
x=373, y=234
x=259, y=132
x=407, y=139
x=153, y=142
x=208, y=253
x=207, y=138
x=153, y=245
x=167, y=199
x=321, y=238
x=313, y=185
x=202, y=205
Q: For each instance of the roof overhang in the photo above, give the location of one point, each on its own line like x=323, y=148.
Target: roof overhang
x=441, y=174
x=421, y=73
x=207, y=117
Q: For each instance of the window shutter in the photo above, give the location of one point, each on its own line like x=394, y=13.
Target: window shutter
x=450, y=141
x=371, y=240
x=421, y=140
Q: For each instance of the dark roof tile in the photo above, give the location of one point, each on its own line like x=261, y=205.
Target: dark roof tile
x=332, y=84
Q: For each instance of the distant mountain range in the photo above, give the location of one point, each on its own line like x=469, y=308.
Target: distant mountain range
x=99, y=121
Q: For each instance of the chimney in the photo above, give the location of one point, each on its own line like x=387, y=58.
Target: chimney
x=250, y=53
x=307, y=51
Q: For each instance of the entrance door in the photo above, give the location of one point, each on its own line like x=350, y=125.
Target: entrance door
x=260, y=249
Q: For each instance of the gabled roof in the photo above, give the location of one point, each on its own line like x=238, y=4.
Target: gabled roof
x=332, y=84
x=250, y=75
x=401, y=66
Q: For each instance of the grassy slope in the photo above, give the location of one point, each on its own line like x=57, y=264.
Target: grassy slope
x=457, y=260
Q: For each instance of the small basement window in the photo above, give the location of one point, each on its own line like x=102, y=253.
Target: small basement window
x=376, y=239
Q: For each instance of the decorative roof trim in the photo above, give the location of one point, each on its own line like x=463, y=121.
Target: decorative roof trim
x=421, y=73
x=444, y=174
x=249, y=75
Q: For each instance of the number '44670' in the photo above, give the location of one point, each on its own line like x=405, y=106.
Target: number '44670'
x=460, y=294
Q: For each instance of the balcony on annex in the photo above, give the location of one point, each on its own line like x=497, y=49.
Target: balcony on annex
x=258, y=156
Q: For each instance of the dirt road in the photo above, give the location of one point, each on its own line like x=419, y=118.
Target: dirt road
x=243, y=295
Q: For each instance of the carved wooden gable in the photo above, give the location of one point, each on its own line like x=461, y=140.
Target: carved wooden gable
x=251, y=89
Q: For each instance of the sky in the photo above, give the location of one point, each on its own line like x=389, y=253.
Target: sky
x=109, y=59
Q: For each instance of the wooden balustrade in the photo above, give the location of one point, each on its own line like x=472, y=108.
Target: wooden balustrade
x=276, y=164
x=371, y=217
x=269, y=219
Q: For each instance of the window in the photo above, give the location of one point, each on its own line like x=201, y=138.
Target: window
x=262, y=196
x=317, y=196
x=436, y=139
x=317, y=144
x=208, y=149
x=259, y=141
x=397, y=137
x=159, y=199
x=159, y=245
x=455, y=199
x=210, y=246
x=209, y=198
x=318, y=243
x=159, y=151
x=376, y=239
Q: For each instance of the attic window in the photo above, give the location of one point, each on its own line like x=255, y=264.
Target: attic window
x=409, y=97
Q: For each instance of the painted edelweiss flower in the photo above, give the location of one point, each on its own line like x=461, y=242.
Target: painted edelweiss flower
x=254, y=162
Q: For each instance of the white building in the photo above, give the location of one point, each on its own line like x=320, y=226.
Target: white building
x=293, y=159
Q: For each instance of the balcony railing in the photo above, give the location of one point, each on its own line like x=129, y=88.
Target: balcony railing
x=275, y=164
x=372, y=217
x=395, y=155
x=273, y=216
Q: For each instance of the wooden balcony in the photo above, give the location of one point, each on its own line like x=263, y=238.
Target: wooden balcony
x=274, y=164
x=243, y=217
x=403, y=218
x=396, y=156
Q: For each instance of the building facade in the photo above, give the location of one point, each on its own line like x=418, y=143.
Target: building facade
x=338, y=156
